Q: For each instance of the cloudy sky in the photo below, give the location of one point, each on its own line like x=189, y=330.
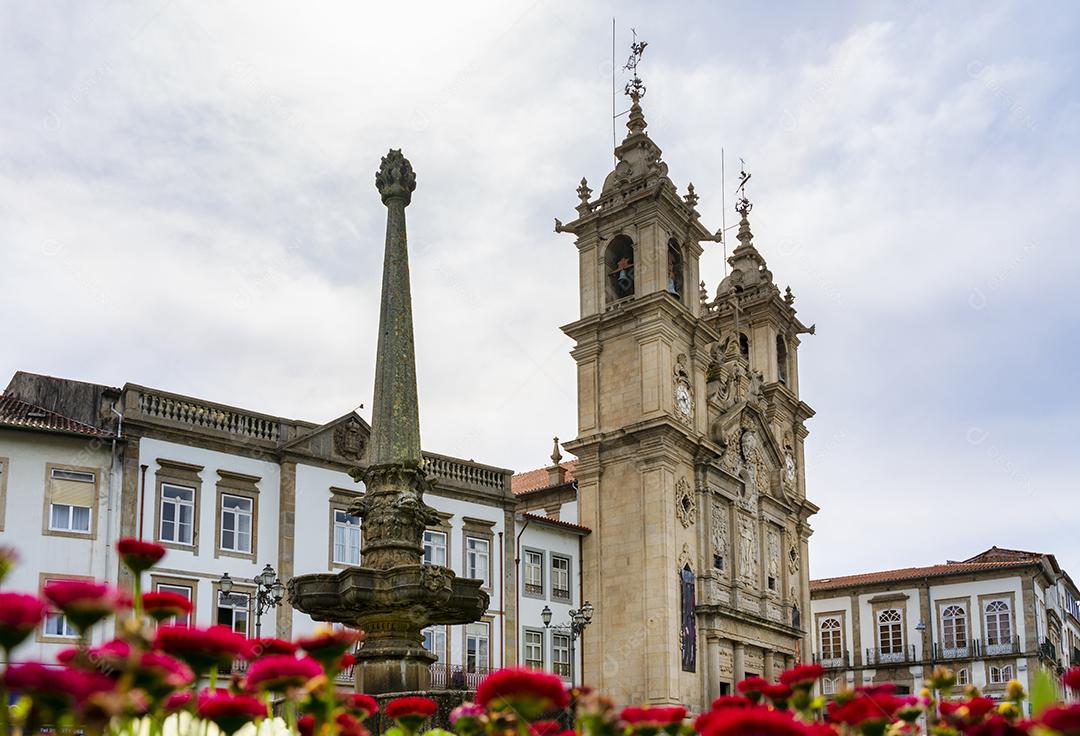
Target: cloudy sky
x=187, y=199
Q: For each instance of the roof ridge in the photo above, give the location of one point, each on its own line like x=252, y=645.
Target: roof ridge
x=909, y=573
x=24, y=406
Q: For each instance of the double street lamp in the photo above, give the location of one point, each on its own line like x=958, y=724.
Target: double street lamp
x=269, y=592
x=579, y=619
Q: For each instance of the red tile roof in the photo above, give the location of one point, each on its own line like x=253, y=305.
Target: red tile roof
x=534, y=480
x=24, y=415
x=557, y=522
x=918, y=573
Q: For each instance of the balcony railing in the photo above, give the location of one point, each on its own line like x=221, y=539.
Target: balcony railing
x=531, y=589
x=955, y=650
x=995, y=647
x=890, y=656
x=562, y=595
x=834, y=660
x=456, y=676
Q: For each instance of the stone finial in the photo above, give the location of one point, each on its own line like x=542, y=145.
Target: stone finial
x=556, y=473
x=584, y=193
x=691, y=197
x=703, y=293
x=556, y=453
x=395, y=178
x=789, y=298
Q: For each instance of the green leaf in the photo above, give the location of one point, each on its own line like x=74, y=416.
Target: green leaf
x=1044, y=691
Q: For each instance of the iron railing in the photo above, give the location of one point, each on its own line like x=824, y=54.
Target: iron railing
x=891, y=655
x=834, y=660
x=456, y=676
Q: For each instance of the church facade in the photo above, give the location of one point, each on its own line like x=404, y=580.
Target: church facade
x=689, y=448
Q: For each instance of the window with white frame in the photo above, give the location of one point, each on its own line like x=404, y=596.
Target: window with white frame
x=435, y=642
x=1000, y=675
x=233, y=610
x=828, y=686
x=890, y=632
x=56, y=623
x=236, y=516
x=477, y=559
x=560, y=577
x=434, y=547
x=998, y=625
x=963, y=676
x=346, y=538
x=177, y=514
x=562, y=663
x=477, y=647
x=182, y=590
x=954, y=627
x=831, y=637
x=534, y=649
x=533, y=575
x=72, y=496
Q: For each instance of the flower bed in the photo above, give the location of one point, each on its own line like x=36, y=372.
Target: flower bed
x=161, y=680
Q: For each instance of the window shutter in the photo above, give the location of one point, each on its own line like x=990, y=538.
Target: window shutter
x=72, y=492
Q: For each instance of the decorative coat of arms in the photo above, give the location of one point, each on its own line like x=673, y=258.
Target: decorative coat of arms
x=685, y=503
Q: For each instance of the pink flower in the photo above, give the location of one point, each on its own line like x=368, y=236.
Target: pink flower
x=280, y=672
x=410, y=712
x=328, y=645
x=203, y=649
x=230, y=712
x=20, y=614
x=803, y=675
x=83, y=602
x=268, y=645
x=363, y=705
x=163, y=605
x=1071, y=679
x=138, y=555
x=160, y=675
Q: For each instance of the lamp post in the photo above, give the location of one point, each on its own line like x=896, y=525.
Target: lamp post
x=269, y=592
x=579, y=619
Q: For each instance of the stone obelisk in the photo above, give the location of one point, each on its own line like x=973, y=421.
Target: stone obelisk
x=393, y=596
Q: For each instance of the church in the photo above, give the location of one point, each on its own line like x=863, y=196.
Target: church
x=689, y=447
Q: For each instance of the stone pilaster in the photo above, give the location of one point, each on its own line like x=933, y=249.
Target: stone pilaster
x=739, y=661
x=286, y=541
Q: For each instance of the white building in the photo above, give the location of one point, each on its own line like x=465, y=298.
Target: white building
x=231, y=491
x=997, y=616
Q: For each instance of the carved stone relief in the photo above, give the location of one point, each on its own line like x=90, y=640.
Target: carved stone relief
x=748, y=554
x=719, y=531
x=685, y=503
x=772, y=545
x=348, y=440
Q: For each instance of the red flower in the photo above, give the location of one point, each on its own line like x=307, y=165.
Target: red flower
x=54, y=690
x=159, y=674
x=164, y=604
x=752, y=687
x=83, y=602
x=269, y=645
x=1065, y=719
x=202, y=649
x=967, y=712
x=756, y=721
x=819, y=729
x=527, y=692
x=347, y=661
x=306, y=725
x=653, y=716
x=350, y=725
x=777, y=693
x=362, y=705
x=1071, y=679
x=138, y=555
x=866, y=709
x=803, y=675
x=410, y=712
x=545, y=728
x=280, y=672
x=997, y=726
x=327, y=645
x=230, y=712
x=178, y=701
x=731, y=701
x=20, y=614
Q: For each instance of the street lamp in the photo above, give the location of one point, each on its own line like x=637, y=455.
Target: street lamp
x=579, y=619
x=269, y=592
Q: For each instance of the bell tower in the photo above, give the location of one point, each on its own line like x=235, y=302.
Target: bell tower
x=695, y=550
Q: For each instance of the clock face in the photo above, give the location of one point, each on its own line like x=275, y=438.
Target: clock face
x=683, y=402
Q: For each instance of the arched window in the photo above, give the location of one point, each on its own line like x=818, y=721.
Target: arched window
x=831, y=638
x=781, y=360
x=619, y=261
x=828, y=685
x=954, y=628
x=1000, y=675
x=674, y=269
x=890, y=632
x=963, y=676
x=744, y=346
x=998, y=626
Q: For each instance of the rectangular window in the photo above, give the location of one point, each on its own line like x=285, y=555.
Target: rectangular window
x=434, y=548
x=477, y=645
x=560, y=656
x=435, y=641
x=177, y=514
x=533, y=576
x=1000, y=675
x=534, y=649
x=72, y=497
x=346, y=538
x=56, y=623
x=184, y=590
x=232, y=611
x=560, y=577
x=236, y=516
x=476, y=559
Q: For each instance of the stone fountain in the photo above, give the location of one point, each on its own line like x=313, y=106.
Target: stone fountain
x=394, y=595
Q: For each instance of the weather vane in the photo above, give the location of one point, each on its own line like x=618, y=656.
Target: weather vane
x=635, y=88
x=742, y=204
